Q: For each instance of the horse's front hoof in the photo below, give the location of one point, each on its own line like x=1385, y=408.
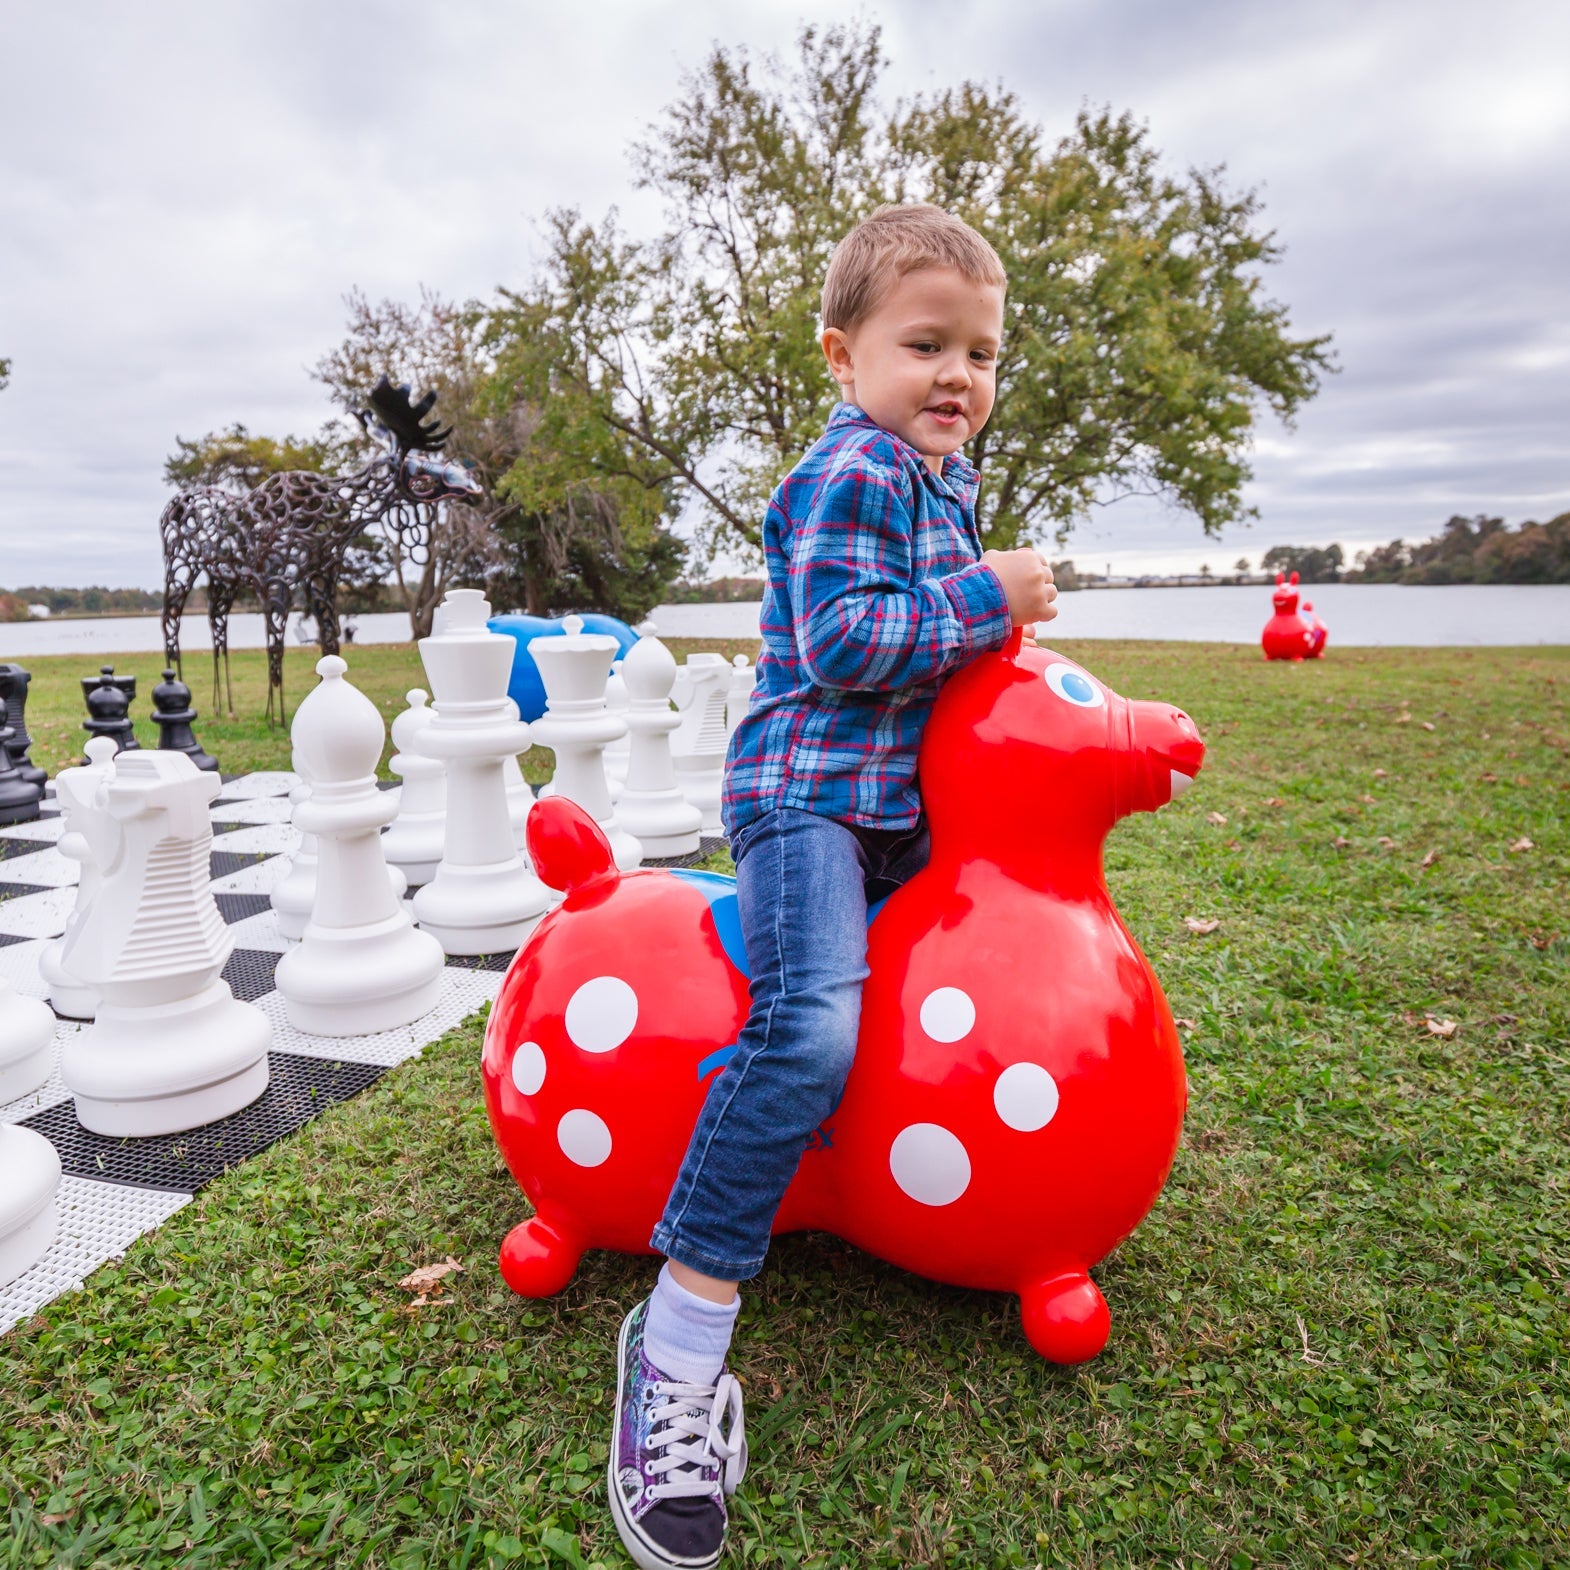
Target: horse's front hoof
x=1066, y=1319
x=538, y=1259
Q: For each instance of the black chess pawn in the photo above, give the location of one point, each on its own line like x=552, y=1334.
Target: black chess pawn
x=172, y=713
x=126, y=684
x=19, y=798
x=107, y=713
x=13, y=692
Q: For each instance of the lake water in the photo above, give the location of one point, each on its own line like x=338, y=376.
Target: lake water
x=1358, y=615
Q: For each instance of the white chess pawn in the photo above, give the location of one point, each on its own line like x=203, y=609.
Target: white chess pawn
x=619, y=750
x=744, y=677
x=74, y=790
x=699, y=743
x=29, y=1216
x=576, y=725
x=27, y=1032
x=414, y=842
x=651, y=805
x=484, y=899
x=361, y=966
x=170, y=1048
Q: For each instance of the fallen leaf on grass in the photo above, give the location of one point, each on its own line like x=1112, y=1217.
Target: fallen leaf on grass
x=1341, y=842
x=1234, y=844
x=1186, y=1024
x=1386, y=841
x=1369, y=801
x=1274, y=801
x=428, y=1276
x=1217, y=818
x=1429, y=859
x=1428, y=725
x=1540, y=940
x=1380, y=774
x=1522, y=844
x=1201, y=926
x=55, y=1518
x=1490, y=779
x=1444, y=1028
x=1403, y=718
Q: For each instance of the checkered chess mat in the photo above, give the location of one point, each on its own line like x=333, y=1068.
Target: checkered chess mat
x=116, y=1189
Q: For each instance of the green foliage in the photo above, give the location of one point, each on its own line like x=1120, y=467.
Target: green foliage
x=1139, y=346
x=1312, y=563
x=1340, y=1337
x=94, y=601
x=238, y=461
x=5, y=373
x=1475, y=550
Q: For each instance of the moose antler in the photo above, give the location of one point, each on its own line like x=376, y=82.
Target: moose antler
x=405, y=422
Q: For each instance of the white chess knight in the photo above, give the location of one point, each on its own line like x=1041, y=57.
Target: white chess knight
x=651, y=805
x=74, y=790
x=484, y=899
x=699, y=743
x=170, y=1048
x=414, y=842
x=361, y=966
x=29, y=1215
x=576, y=725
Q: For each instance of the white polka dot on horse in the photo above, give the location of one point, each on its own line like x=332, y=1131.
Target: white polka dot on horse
x=601, y=1014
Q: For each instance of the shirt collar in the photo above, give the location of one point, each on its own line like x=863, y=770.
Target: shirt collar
x=960, y=478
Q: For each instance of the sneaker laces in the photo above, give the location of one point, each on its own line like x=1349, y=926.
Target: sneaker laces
x=699, y=1428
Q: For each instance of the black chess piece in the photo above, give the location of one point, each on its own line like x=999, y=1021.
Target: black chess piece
x=172, y=714
x=19, y=798
x=13, y=692
x=107, y=712
x=127, y=685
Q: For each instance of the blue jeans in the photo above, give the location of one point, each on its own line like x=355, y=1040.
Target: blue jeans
x=803, y=886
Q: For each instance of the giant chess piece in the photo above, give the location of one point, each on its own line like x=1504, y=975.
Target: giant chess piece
x=744, y=678
x=76, y=789
x=14, y=682
x=27, y=1032
x=414, y=842
x=171, y=1047
x=29, y=1183
x=484, y=899
x=520, y=799
x=576, y=726
x=108, y=709
x=294, y=893
x=699, y=743
x=618, y=752
x=361, y=966
x=651, y=805
x=19, y=797
x=172, y=714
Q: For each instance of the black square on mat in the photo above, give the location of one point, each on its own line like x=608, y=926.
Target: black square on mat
x=223, y=862
x=13, y=937
x=236, y=907
x=250, y=973
x=496, y=962
x=17, y=890
x=299, y=1089
x=17, y=847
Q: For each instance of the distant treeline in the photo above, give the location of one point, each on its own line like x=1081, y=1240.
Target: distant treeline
x=97, y=601
x=1475, y=550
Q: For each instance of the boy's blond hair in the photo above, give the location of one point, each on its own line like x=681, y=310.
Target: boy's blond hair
x=892, y=241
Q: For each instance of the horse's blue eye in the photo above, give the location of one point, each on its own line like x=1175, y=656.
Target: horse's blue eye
x=1074, y=686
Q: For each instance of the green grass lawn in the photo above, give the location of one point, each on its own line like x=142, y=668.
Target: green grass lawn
x=1342, y=1337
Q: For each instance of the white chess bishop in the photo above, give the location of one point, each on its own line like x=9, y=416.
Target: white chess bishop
x=414, y=842
x=651, y=805
x=699, y=743
x=361, y=966
x=170, y=1048
x=75, y=789
x=484, y=899
x=576, y=726
x=29, y=1215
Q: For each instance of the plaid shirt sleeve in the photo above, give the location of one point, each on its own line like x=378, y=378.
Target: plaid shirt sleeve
x=864, y=622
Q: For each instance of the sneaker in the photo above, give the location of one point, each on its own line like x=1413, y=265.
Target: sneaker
x=677, y=1452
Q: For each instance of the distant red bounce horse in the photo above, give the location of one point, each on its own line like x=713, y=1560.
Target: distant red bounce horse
x=1018, y=1089
x=1287, y=636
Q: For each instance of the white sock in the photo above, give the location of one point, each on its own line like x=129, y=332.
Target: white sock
x=686, y=1336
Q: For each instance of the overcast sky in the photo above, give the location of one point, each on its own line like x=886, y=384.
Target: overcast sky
x=187, y=190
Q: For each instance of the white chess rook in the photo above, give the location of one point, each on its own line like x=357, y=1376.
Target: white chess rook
x=29, y=1216
x=484, y=898
x=75, y=789
x=171, y=1048
x=651, y=805
x=361, y=966
x=414, y=842
x=699, y=743
x=576, y=726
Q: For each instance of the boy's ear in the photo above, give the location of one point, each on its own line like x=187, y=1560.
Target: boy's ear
x=836, y=350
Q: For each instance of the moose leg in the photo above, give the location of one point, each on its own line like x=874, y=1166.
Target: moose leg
x=538, y=1257
x=322, y=599
x=176, y=591
x=276, y=600
x=219, y=598
x=1065, y=1317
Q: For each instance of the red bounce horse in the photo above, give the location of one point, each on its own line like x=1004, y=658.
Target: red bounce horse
x=1018, y=1088
x=1286, y=636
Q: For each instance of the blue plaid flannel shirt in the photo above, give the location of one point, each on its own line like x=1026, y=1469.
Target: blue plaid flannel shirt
x=875, y=594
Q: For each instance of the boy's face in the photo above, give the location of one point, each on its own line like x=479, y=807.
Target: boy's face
x=923, y=364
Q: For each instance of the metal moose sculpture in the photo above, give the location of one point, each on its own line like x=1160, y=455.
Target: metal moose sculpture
x=285, y=541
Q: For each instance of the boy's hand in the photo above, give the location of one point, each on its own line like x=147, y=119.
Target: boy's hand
x=1027, y=584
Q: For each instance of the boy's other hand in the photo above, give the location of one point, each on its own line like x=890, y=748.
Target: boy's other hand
x=1027, y=584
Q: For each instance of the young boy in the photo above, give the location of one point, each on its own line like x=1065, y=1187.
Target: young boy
x=877, y=589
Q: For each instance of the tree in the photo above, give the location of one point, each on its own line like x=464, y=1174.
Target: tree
x=1241, y=566
x=1480, y=549
x=5, y=373
x=1312, y=563
x=1139, y=347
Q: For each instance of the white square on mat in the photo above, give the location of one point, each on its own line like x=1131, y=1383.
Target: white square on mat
x=50, y=828
x=259, y=839
x=275, y=783
x=259, y=809
x=46, y=868
x=40, y=915
x=19, y=966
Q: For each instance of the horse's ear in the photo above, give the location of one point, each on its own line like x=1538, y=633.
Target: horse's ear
x=1281, y=578
x=1294, y=580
